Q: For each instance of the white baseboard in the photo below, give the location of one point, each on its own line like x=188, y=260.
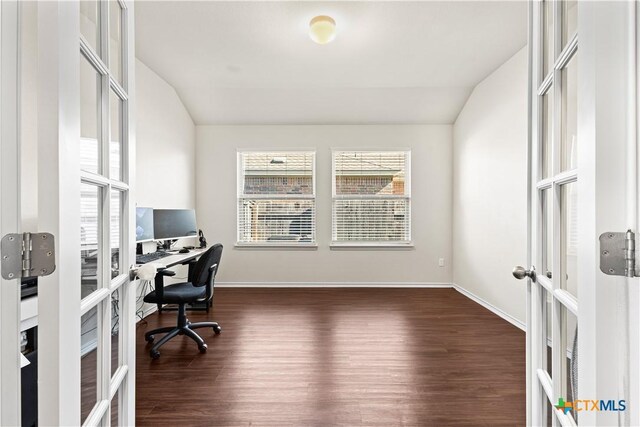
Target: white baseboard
x=332, y=285
x=149, y=311
x=515, y=322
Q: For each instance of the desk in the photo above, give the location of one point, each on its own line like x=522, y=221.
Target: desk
x=179, y=259
x=172, y=261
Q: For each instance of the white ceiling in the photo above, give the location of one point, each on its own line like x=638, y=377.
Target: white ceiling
x=391, y=62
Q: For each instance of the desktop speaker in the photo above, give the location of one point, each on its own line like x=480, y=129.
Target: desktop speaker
x=203, y=240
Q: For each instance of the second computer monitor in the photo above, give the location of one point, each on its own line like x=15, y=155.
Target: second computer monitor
x=174, y=223
x=144, y=224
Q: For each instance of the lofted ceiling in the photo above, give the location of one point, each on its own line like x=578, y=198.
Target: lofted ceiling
x=246, y=62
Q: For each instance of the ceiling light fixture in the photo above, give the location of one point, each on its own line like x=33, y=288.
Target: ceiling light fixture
x=322, y=29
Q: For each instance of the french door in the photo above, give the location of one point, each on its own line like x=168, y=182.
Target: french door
x=554, y=293
x=583, y=175
x=86, y=310
x=9, y=212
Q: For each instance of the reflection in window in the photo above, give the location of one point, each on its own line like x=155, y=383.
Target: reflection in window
x=90, y=23
x=547, y=37
x=115, y=40
x=547, y=134
x=569, y=20
x=89, y=117
x=89, y=237
x=115, y=141
x=115, y=232
x=88, y=362
x=569, y=210
x=570, y=114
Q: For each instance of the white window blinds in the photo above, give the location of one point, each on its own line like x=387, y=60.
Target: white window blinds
x=371, y=197
x=276, y=198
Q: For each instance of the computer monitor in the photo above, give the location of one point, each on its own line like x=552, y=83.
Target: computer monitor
x=144, y=224
x=174, y=223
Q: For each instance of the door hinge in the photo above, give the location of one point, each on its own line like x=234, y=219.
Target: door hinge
x=618, y=253
x=27, y=254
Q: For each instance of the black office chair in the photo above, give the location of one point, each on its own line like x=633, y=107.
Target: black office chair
x=198, y=288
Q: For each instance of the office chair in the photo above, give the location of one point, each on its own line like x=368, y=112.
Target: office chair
x=198, y=288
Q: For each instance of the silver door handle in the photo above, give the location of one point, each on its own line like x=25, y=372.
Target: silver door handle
x=520, y=273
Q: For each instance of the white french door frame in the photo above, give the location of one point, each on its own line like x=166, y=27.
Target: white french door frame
x=60, y=305
x=609, y=164
x=608, y=184
x=543, y=391
x=10, y=219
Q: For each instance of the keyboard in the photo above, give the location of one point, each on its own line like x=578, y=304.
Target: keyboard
x=153, y=256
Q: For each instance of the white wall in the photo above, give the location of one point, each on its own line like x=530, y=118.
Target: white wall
x=165, y=138
x=431, y=147
x=165, y=151
x=490, y=187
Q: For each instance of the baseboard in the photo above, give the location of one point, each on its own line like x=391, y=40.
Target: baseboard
x=495, y=310
x=149, y=311
x=332, y=285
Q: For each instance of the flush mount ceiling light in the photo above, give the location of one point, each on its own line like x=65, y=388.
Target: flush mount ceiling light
x=322, y=29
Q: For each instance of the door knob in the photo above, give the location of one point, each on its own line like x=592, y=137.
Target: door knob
x=520, y=273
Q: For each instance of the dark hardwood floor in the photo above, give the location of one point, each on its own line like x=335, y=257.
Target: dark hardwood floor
x=335, y=356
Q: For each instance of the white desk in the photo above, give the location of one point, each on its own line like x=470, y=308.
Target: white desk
x=178, y=258
x=29, y=306
x=28, y=313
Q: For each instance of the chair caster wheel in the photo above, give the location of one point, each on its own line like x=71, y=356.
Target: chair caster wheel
x=150, y=338
x=155, y=354
x=203, y=348
x=217, y=330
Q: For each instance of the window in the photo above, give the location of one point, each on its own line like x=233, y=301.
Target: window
x=276, y=198
x=371, y=198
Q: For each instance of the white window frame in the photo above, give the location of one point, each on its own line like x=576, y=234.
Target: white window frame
x=335, y=244
x=240, y=196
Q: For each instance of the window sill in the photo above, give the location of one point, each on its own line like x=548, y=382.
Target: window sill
x=372, y=246
x=277, y=246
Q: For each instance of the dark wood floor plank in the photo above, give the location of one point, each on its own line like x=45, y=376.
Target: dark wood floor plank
x=323, y=357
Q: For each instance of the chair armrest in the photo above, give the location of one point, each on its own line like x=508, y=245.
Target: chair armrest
x=168, y=273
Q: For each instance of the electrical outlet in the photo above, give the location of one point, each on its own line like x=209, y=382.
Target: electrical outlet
x=441, y=262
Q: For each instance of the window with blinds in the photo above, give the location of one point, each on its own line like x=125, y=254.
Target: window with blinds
x=276, y=198
x=371, y=197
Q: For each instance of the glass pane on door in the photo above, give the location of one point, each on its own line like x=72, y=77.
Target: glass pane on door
x=116, y=233
x=547, y=37
x=115, y=40
x=547, y=232
x=115, y=331
x=89, y=362
x=569, y=238
x=115, y=140
x=570, y=114
x=89, y=117
x=570, y=329
x=547, y=330
x=90, y=240
x=549, y=412
x=547, y=135
x=90, y=23
x=569, y=20
x=114, y=409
